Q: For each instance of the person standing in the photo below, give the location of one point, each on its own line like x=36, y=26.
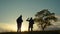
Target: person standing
x=19, y=23
x=31, y=22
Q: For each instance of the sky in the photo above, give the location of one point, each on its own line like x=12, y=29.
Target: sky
x=10, y=10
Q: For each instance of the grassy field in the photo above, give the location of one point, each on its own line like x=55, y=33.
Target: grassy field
x=33, y=32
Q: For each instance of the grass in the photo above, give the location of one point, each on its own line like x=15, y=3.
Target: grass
x=33, y=32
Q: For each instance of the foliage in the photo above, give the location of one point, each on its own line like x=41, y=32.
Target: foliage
x=43, y=18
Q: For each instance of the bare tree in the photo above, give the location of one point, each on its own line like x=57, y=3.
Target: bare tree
x=43, y=18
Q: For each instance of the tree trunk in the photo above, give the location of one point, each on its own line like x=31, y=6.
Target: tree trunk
x=43, y=27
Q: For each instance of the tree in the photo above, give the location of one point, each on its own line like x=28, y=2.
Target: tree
x=43, y=18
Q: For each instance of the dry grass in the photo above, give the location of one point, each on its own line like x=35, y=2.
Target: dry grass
x=34, y=32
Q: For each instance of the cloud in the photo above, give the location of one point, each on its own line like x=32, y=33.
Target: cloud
x=52, y=28
x=55, y=26
x=4, y=30
x=57, y=22
x=7, y=27
x=58, y=17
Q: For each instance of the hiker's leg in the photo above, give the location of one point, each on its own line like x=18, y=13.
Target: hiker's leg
x=29, y=28
x=20, y=26
x=17, y=27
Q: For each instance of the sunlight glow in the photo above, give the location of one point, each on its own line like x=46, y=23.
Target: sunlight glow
x=13, y=27
x=23, y=28
x=8, y=27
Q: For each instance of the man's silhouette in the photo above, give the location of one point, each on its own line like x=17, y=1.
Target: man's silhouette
x=31, y=22
x=19, y=23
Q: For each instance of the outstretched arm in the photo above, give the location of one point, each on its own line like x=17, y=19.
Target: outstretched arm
x=27, y=19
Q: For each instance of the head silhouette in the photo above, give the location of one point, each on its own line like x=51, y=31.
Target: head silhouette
x=31, y=18
x=20, y=15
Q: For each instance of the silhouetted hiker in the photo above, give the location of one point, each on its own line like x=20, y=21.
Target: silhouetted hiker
x=19, y=23
x=31, y=22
